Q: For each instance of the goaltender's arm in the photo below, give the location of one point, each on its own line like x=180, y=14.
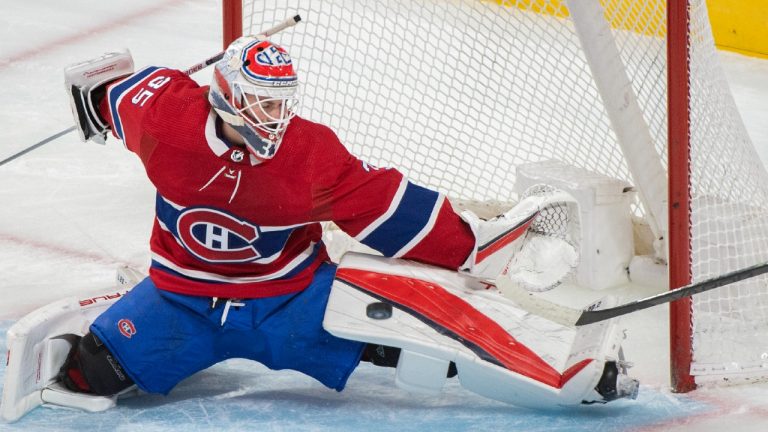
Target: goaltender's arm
x=384, y=210
x=106, y=95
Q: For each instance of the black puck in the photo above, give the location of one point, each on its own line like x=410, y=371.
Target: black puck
x=379, y=311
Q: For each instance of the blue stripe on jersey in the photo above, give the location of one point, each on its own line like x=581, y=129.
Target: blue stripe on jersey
x=167, y=214
x=267, y=244
x=118, y=90
x=410, y=217
x=306, y=263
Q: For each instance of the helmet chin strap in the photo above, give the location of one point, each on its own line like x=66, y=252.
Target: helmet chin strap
x=258, y=145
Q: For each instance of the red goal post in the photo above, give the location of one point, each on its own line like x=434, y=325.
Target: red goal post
x=458, y=93
x=679, y=150
x=232, y=21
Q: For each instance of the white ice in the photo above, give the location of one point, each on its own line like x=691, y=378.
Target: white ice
x=71, y=212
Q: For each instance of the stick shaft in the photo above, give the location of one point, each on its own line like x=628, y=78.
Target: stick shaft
x=589, y=317
x=40, y=144
x=288, y=22
x=204, y=64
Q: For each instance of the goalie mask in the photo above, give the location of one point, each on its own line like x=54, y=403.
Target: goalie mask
x=254, y=91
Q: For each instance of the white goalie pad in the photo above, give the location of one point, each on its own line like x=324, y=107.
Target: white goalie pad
x=38, y=345
x=439, y=316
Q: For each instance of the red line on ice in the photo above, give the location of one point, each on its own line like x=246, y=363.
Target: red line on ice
x=77, y=37
x=722, y=411
x=60, y=250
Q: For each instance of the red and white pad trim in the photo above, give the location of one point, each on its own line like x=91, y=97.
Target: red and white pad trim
x=451, y=316
x=439, y=316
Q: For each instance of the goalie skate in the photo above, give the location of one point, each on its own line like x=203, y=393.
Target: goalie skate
x=38, y=345
x=500, y=350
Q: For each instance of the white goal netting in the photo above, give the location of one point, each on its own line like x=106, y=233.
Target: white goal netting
x=457, y=93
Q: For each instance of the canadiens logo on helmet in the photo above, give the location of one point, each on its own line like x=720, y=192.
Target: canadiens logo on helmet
x=267, y=64
x=126, y=328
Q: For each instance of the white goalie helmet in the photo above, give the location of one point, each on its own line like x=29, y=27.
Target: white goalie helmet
x=254, y=90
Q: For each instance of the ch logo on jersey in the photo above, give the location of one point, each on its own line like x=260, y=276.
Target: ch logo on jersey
x=126, y=328
x=217, y=237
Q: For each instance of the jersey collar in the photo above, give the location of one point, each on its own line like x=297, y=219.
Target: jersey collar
x=220, y=146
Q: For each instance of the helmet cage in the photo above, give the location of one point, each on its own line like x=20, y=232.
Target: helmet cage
x=254, y=91
x=259, y=146
x=268, y=112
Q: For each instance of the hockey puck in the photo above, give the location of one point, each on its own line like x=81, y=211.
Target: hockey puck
x=379, y=311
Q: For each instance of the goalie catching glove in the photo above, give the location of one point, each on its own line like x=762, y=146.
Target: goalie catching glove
x=86, y=85
x=535, y=241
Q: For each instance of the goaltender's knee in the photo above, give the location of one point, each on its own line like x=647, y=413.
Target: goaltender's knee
x=91, y=368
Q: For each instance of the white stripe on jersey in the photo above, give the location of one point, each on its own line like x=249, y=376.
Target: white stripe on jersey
x=201, y=275
x=165, y=228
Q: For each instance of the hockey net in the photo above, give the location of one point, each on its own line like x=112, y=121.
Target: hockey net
x=457, y=93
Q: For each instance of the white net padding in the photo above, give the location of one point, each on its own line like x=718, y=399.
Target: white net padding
x=456, y=93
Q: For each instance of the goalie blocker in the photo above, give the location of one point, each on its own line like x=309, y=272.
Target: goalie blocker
x=86, y=84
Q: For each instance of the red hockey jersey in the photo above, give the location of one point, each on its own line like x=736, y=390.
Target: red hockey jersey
x=228, y=225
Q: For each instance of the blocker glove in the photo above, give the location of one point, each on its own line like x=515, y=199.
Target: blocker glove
x=86, y=85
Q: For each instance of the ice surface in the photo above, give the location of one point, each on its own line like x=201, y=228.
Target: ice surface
x=71, y=212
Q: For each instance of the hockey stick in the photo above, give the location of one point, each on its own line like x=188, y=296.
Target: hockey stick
x=289, y=22
x=40, y=144
x=573, y=317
